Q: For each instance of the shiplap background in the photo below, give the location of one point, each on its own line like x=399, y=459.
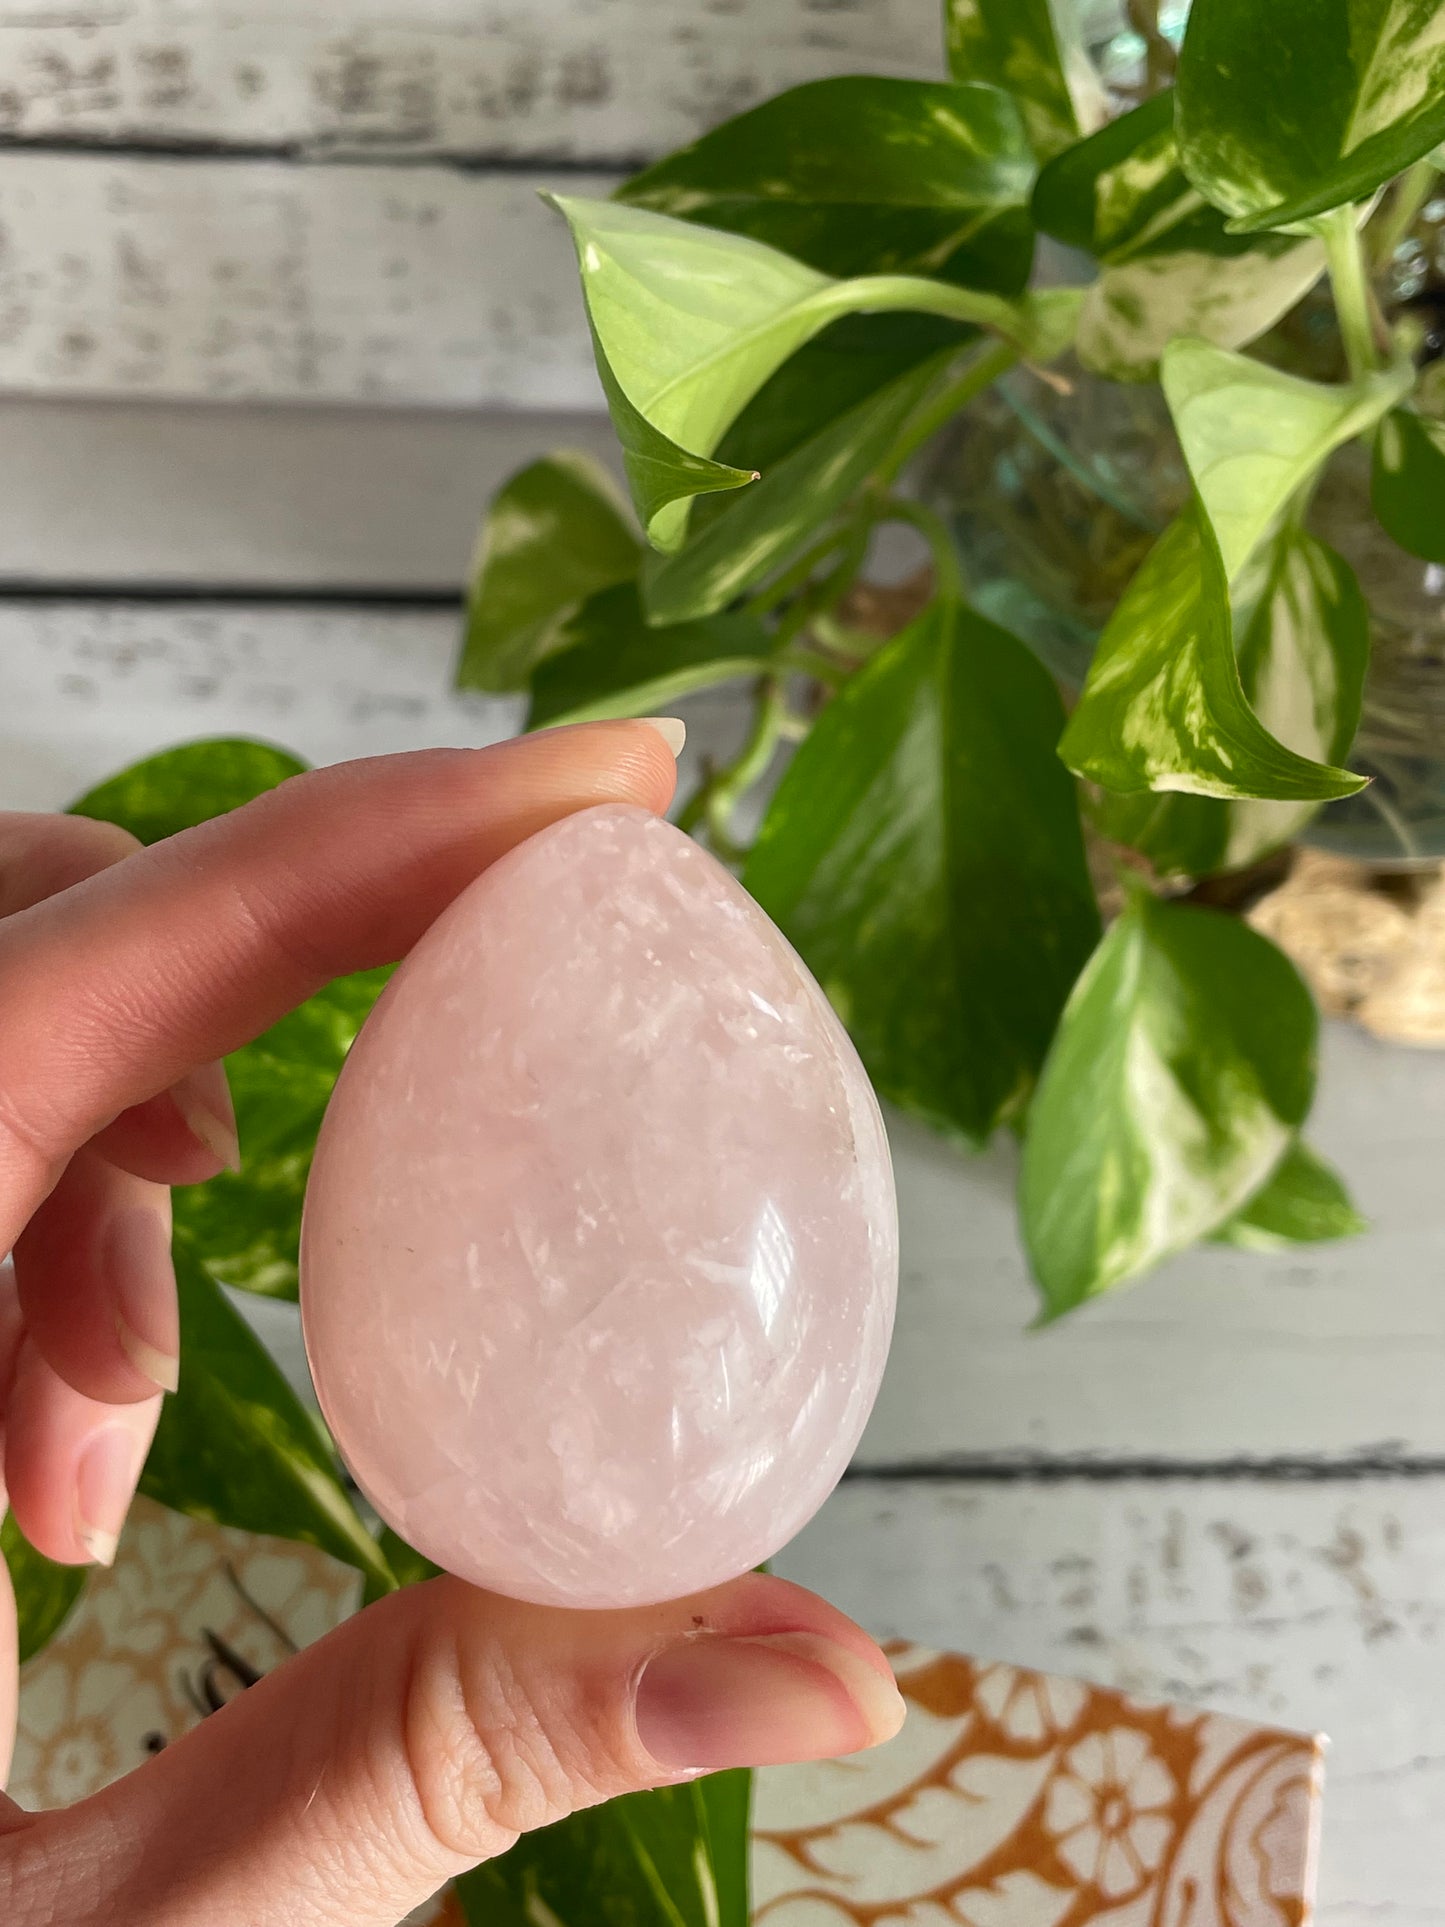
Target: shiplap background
x=278, y=308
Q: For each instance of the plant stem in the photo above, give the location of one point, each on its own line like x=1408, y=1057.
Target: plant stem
x=1346, y=258
x=751, y=762
x=793, y=577
x=1397, y=217
x=946, y=567
x=982, y=372
x=811, y=662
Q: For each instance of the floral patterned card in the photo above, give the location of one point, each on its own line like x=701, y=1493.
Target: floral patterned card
x=1010, y=1799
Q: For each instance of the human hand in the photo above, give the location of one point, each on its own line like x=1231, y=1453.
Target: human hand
x=426, y=1733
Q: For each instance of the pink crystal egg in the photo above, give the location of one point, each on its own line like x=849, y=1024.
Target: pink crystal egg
x=600, y=1247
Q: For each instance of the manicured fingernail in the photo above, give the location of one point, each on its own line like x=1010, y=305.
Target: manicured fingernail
x=142, y=1282
x=710, y=1702
x=672, y=730
x=203, y=1098
x=105, y=1483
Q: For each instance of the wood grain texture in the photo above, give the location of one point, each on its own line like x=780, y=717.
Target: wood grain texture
x=596, y=79
x=1312, y=1606
x=1332, y=1354
x=234, y=496
x=265, y=280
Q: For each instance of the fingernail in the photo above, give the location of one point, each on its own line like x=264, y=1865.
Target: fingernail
x=105, y=1483
x=203, y=1098
x=672, y=730
x=710, y=1702
x=142, y=1281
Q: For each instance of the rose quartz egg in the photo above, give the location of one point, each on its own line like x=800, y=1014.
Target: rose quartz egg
x=600, y=1249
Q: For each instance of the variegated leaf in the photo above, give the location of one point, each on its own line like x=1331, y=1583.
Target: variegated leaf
x=1304, y=1203
x=1136, y=308
x=554, y=534
x=1183, y=1067
x=1035, y=49
x=1163, y=707
x=1253, y=436
x=865, y=174
x=1168, y=263
x=689, y=322
x=1303, y=647
x=1291, y=109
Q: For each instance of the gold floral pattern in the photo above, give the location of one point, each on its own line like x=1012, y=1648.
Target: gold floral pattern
x=1109, y=1810
x=1028, y=1705
x=1010, y=1799
x=1032, y=1801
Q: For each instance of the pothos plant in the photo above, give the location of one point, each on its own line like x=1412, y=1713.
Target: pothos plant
x=784, y=315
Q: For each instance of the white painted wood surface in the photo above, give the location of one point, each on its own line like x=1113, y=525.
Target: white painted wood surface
x=1317, y=1607
x=499, y=78
x=235, y=496
x=266, y=280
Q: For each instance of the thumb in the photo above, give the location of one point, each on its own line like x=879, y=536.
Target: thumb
x=427, y=1733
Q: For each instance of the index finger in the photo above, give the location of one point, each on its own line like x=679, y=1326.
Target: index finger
x=112, y=991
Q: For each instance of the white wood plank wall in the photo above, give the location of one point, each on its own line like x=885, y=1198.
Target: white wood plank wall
x=610, y=80
x=278, y=308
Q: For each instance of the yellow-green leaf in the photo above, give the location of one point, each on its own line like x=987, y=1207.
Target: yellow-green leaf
x=1303, y=645
x=1253, y=435
x=1183, y=1067
x=689, y=322
x=554, y=534
x=1304, y=1202
x=1163, y=707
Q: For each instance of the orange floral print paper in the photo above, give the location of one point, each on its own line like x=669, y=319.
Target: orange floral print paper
x=1015, y=1799
x=1010, y=1799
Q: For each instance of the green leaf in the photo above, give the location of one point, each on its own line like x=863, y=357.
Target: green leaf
x=664, y=479
x=923, y=852
x=1182, y=1068
x=688, y=324
x=246, y=1226
x=1169, y=264
x=1303, y=645
x=1122, y=190
x=865, y=175
x=1408, y=483
x=45, y=1593
x=753, y=534
x=236, y=1445
x=1163, y=707
x=676, y=1857
x=1035, y=50
x=406, y=1567
x=1291, y=109
x=1305, y=1202
x=614, y=664
x=1253, y=436
x=850, y=360
x=553, y=535
x=181, y=787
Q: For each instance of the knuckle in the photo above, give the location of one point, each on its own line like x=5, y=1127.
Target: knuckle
x=483, y=1768
x=491, y=1755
